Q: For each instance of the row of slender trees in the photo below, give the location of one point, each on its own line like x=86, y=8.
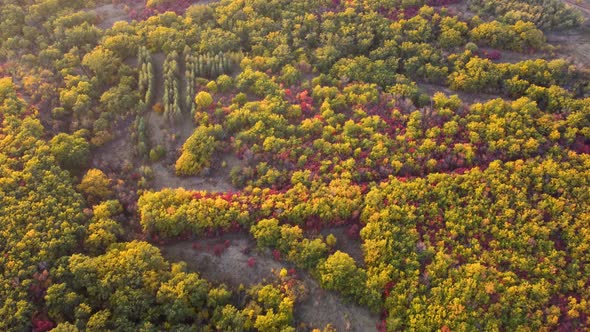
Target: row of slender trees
x=146, y=80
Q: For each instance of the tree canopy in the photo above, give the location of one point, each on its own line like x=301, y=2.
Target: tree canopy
x=425, y=159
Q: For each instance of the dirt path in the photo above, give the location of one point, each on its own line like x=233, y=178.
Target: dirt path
x=171, y=136
x=345, y=244
x=461, y=9
x=514, y=57
x=116, y=153
x=582, y=5
x=164, y=177
x=574, y=44
x=158, y=63
x=207, y=2
x=230, y=266
x=111, y=13
x=469, y=98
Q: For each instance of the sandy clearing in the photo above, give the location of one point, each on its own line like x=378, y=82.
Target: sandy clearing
x=317, y=310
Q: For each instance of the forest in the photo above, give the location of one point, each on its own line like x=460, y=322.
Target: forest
x=294, y=165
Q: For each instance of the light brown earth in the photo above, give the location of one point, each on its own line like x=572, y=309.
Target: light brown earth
x=118, y=152
x=317, y=310
x=469, y=98
x=320, y=307
x=574, y=44
x=109, y=14
x=345, y=244
x=217, y=181
x=172, y=136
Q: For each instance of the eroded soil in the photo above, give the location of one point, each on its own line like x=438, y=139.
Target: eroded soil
x=574, y=44
x=345, y=243
x=118, y=152
x=172, y=136
x=468, y=98
x=218, y=181
x=109, y=14
x=230, y=266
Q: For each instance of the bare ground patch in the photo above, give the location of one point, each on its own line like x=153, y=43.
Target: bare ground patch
x=324, y=307
x=230, y=266
x=574, y=44
x=469, y=98
x=582, y=5
x=514, y=57
x=171, y=136
x=460, y=9
x=164, y=177
x=117, y=152
x=109, y=14
x=158, y=63
x=345, y=244
x=206, y=2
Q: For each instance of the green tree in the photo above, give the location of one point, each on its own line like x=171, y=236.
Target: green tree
x=203, y=100
x=71, y=151
x=339, y=272
x=266, y=232
x=229, y=318
x=103, y=230
x=95, y=185
x=197, y=151
x=103, y=63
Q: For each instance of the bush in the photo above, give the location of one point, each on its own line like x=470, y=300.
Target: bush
x=224, y=83
x=339, y=272
x=95, y=185
x=472, y=47
x=197, y=151
x=71, y=151
x=212, y=87
x=203, y=100
x=157, y=153
x=158, y=108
